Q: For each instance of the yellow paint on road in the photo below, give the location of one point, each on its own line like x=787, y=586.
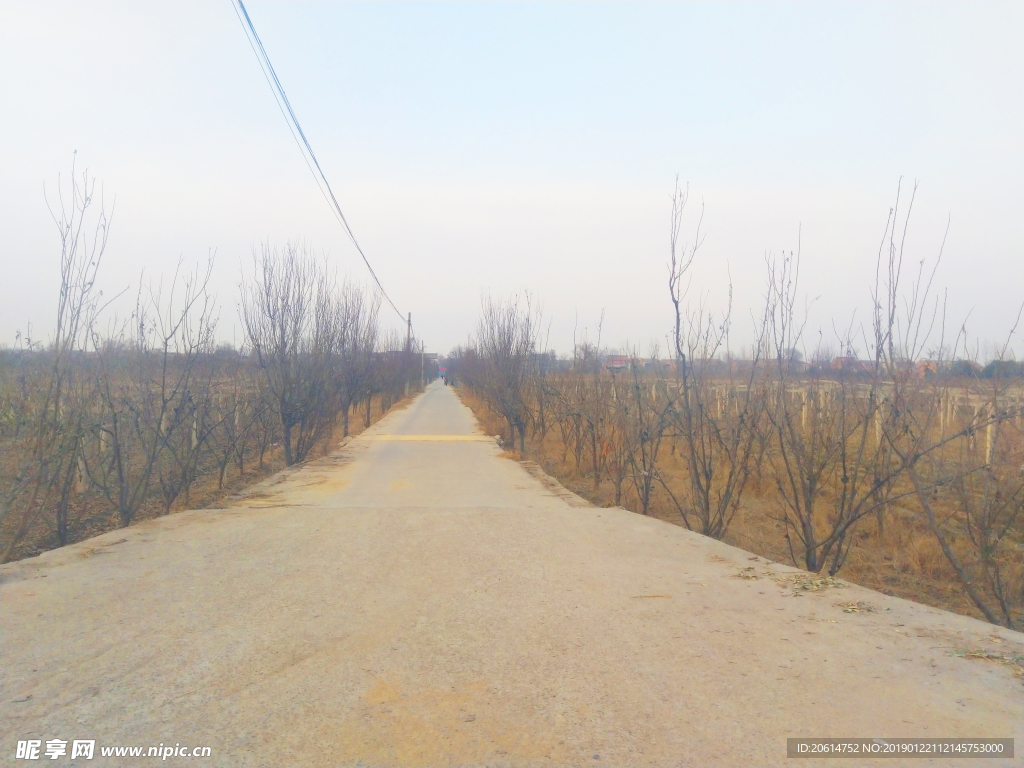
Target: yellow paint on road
x=435, y=438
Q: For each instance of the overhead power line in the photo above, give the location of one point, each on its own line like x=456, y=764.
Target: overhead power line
x=300, y=139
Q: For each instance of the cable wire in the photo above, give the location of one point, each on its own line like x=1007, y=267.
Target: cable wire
x=300, y=139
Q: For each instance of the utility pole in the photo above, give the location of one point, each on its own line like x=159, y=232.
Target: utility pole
x=423, y=365
x=408, y=350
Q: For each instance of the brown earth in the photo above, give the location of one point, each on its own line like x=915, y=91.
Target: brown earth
x=903, y=558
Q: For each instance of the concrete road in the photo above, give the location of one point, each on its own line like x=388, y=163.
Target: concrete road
x=416, y=599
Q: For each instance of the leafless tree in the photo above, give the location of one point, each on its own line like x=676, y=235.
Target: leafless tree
x=142, y=379
x=827, y=450
x=716, y=417
x=237, y=421
x=44, y=456
x=965, y=455
x=843, y=442
x=506, y=342
x=187, y=445
x=647, y=418
x=291, y=326
x=357, y=347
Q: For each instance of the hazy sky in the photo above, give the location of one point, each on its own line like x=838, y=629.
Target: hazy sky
x=491, y=147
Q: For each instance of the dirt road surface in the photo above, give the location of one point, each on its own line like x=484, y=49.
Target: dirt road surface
x=416, y=599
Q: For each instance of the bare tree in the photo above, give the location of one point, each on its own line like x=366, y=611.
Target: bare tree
x=45, y=455
x=965, y=456
x=827, y=451
x=357, y=345
x=142, y=380
x=238, y=417
x=506, y=342
x=291, y=326
x=718, y=419
x=198, y=420
x=843, y=443
x=647, y=417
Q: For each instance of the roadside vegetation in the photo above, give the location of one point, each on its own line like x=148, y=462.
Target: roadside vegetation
x=901, y=471
x=116, y=419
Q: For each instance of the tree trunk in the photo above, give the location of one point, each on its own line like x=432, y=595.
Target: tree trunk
x=288, y=444
x=947, y=550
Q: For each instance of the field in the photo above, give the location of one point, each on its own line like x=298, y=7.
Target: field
x=889, y=547
x=89, y=513
x=110, y=422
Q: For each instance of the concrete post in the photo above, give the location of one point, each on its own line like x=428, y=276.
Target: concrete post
x=80, y=479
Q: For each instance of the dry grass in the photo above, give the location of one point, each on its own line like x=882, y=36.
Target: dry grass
x=91, y=515
x=904, y=559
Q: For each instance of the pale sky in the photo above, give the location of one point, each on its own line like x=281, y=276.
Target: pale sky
x=490, y=147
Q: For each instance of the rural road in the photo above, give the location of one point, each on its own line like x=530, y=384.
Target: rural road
x=416, y=599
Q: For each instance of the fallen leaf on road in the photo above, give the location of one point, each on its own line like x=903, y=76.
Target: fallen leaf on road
x=1012, y=660
x=856, y=607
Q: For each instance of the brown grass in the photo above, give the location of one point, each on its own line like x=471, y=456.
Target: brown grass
x=92, y=515
x=905, y=560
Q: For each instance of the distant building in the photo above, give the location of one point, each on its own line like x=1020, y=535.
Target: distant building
x=616, y=363
x=849, y=365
